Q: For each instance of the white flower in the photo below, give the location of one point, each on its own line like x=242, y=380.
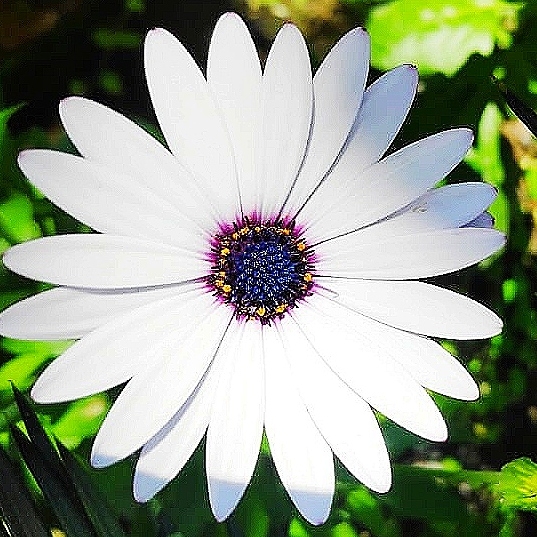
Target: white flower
x=259, y=275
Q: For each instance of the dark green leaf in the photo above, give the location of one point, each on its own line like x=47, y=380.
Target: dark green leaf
x=16, y=508
x=60, y=495
x=41, y=443
x=519, y=107
x=98, y=511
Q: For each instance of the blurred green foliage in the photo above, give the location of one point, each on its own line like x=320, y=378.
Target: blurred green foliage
x=482, y=482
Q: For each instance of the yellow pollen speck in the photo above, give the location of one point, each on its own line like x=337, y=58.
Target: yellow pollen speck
x=244, y=230
x=286, y=231
x=235, y=236
x=226, y=288
x=281, y=308
x=308, y=277
x=261, y=311
x=219, y=283
x=300, y=246
x=225, y=251
x=257, y=229
x=222, y=273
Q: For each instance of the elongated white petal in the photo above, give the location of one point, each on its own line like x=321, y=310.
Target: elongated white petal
x=107, y=200
x=302, y=457
x=338, y=87
x=446, y=207
x=112, y=141
x=190, y=119
x=345, y=420
x=120, y=348
x=364, y=354
x=103, y=261
x=413, y=256
x=427, y=361
x=287, y=115
x=164, y=455
x=67, y=313
x=416, y=307
x=236, y=422
x=234, y=75
x=152, y=397
x=384, y=108
x=385, y=187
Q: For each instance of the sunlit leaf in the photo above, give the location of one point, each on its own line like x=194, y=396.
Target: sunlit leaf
x=20, y=370
x=485, y=158
x=81, y=420
x=517, y=487
x=16, y=219
x=438, y=35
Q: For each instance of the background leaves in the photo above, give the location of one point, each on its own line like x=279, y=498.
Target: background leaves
x=482, y=481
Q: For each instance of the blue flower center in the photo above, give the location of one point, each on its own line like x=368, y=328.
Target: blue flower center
x=261, y=269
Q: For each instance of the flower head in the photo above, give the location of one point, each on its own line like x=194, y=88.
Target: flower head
x=261, y=273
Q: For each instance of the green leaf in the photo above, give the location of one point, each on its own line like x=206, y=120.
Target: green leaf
x=16, y=509
x=438, y=35
x=109, y=39
x=365, y=508
x=81, y=420
x=98, y=511
x=5, y=114
x=517, y=486
x=485, y=158
x=65, y=505
x=20, y=370
x=519, y=107
x=40, y=442
x=17, y=222
x=419, y=494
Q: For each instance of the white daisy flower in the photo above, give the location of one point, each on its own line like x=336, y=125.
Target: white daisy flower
x=261, y=274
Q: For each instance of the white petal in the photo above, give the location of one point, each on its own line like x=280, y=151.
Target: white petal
x=116, y=351
x=385, y=187
x=103, y=261
x=67, y=313
x=483, y=220
x=302, y=457
x=153, y=396
x=234, y=75
x=446, y=207
x=345, y=420
x=416, y=307
x=236, y=422
x=385, y=105
x=107, y=200
x=427, y=361
x=164, y=456
x=190, y=120
x=338, y=87
x=287, y=116
x=113, y=141
x=421, y=255
x=364, y=354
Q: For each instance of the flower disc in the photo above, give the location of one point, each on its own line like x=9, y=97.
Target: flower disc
x=261, y=268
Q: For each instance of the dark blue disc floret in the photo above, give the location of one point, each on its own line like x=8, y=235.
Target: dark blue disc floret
x=261, y=269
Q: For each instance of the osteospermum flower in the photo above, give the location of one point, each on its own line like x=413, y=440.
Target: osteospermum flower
x=261, y=274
